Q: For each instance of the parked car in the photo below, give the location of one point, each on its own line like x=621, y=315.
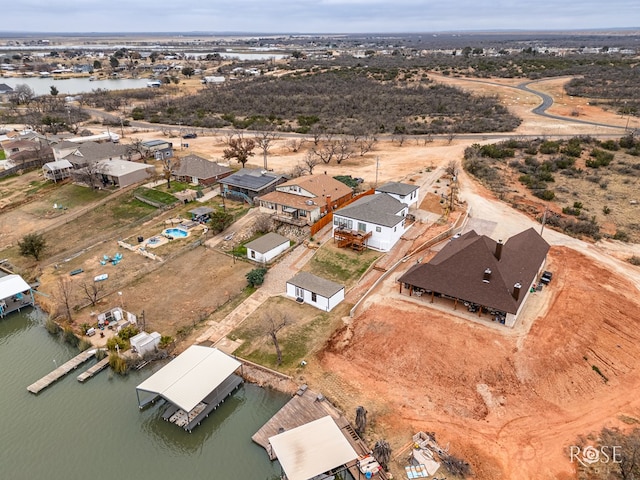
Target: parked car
x=546, y=277
x=190, y=135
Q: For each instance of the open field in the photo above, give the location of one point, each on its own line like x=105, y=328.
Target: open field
x=509, y=402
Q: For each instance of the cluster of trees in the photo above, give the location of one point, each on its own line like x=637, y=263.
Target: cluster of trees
x=343, y=101
x=615, y=85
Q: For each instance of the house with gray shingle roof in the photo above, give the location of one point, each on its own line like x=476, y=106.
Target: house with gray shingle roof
x=80, y=155
x=267, y=247
x=381, y=216
x=200, y=171
x=319, y=292
x=404, y=192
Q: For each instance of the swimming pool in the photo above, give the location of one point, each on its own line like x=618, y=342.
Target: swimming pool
x=176, y=232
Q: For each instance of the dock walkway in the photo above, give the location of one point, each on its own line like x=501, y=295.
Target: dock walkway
x=61, y=371
x=91, y=371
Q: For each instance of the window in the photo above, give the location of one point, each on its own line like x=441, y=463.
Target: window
x=314, y=297
x=299, y=292
x=253, y=254
x=394, y=228
x=378, y=229
x=362, y=227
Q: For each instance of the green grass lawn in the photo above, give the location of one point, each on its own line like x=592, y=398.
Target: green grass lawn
x=156, y=195
x=2, y=156
x=341, y=265
x=305, y=332
x=70, y=195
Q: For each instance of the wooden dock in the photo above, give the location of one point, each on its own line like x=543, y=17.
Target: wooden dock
x=61, y=371
x=91, y=371
x=304, y=407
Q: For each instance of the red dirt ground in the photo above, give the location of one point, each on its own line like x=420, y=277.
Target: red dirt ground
x=510, y=402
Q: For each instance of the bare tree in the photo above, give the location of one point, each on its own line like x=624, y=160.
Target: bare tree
x=169, y=164
x=452, y=168
x=343, y=150
x=92, y=291
x=265, y=139
x=263, y=223
x=89, y=175
x=366, y=144
x=310, y=161
x=450, y=137
x=64, y=296
x=326, y=152
x=294, y=145
x=275, y=322
x=239, y=148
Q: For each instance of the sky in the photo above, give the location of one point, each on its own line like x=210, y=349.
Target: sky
x=316, y=16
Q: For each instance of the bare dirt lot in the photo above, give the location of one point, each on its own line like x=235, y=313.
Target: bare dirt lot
x=506, y=401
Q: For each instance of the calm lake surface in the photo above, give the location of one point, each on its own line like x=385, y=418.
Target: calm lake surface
x=96, y=431
x=74, y=86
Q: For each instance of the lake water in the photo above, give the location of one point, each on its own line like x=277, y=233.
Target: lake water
x=96, y=431
x=74, y=86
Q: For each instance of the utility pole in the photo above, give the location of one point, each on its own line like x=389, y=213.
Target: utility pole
x=377, y=165
x=544, y=218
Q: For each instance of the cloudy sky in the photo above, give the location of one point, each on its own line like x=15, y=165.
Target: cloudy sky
x=316, y=16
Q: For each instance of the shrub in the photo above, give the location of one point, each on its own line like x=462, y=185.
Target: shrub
x=165, y=341
x=548, y=147
x=117, y=341
x=84, y=344
x=545, y=194
x=634, y=260
x=70, y=337
x=118, y=363
x=600, y=158
x=256, y=276
x=606, y=210
x=127, y=332
x=611, y=145
x=621, y=235
x=52, y=327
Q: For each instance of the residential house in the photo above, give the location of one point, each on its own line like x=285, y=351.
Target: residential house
x=308, y=288
x=5, y=89
x=200, y=171
x=80, y=155
x=483, y=275
x=373, y=221
x=57, y=171
x=303, y=200
x=267, y=247
x=404, y=192
x=121, y=173
x=246, y=183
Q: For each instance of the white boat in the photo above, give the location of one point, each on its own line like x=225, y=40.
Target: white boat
x=101, y=277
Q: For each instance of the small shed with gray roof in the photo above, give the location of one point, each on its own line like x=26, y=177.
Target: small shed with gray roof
x=308, y=288
x=267, y=247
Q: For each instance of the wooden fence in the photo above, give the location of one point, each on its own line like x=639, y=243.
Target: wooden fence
x=328, y=218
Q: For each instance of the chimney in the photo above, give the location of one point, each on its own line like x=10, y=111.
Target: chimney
x=487, y=275
x=498, y=253
x=516, y=291
x=328, y=198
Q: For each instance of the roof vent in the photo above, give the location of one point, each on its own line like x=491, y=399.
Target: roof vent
x=498, y=253
x=487, y=275
x=516, y=291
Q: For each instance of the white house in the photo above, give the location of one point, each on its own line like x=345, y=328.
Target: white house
x=319, y=292
x=404, y=192
x=380, y=218
x=267, y=247
x=144, y=342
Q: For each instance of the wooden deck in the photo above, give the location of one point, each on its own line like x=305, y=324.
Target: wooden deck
x=91, y=371
x=61, y=371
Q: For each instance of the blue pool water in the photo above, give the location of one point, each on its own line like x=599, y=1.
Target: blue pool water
x=176, y=232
